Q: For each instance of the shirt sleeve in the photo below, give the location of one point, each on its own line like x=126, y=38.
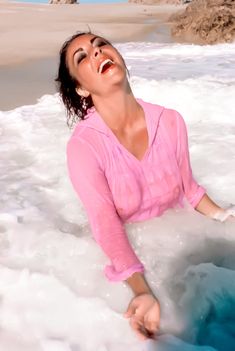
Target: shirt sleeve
x=90, y=183
x=192, y=190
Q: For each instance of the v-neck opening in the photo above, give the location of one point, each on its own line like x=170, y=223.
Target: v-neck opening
x=113, y=136
x=127, y=151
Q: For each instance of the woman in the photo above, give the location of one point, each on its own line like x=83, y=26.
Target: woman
x=128, y=161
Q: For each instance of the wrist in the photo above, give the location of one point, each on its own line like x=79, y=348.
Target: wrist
x=138, y=284
x=147, y=295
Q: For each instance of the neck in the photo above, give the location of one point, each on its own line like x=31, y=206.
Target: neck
x=119, y=110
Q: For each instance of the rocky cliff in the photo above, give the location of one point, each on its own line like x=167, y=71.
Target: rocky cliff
x=206, y=22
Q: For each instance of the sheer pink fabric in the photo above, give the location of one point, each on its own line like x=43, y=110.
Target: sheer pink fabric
x=115, y=187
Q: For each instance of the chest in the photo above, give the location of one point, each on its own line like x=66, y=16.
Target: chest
x=135, y=142
x=142, y=186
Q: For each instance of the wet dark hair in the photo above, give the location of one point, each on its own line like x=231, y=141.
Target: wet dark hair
x=76, y=106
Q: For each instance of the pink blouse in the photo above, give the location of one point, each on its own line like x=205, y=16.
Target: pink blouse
x=116, y=188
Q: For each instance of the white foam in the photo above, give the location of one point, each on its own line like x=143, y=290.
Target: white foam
x=53, y=292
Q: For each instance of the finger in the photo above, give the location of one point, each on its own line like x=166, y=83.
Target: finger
x=152, y=327
x=130, y=310
x=139, y=329
x=152, y=323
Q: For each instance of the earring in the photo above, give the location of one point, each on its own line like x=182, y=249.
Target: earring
x=84, y=103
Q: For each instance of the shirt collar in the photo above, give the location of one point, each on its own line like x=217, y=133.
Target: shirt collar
x=152, y=116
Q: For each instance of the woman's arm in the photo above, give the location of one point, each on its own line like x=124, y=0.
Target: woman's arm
x=91, y=185
x=138, y=284
x=208, y=207
x=195, y=194
x=144, y=308
x=192, y=190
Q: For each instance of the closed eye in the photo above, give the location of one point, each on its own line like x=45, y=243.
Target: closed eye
x=100, y=42
x=81, y=57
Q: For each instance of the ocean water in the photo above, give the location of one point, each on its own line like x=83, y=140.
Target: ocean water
x=54, y=296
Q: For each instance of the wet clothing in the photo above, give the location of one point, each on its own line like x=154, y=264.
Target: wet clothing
x=116, y=188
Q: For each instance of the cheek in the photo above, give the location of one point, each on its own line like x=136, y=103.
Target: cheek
x=120, y=58
x=84, y=75
x=81, y=77
x=88, y=81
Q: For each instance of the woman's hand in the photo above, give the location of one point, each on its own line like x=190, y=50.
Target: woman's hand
x=144, y=314
x=209, y=208
x=225, y=215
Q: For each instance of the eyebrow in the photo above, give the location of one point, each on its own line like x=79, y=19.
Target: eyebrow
x=81, y=49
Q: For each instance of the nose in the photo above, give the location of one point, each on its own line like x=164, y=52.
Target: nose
x=97, y=51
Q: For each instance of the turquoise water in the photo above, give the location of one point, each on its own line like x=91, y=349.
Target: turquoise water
x=44, y=233
x=208, y=297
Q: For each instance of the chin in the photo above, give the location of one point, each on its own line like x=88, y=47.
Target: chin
x=117, y=76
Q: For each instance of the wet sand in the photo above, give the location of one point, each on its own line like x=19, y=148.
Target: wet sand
x=31, y=36
x=24, y=83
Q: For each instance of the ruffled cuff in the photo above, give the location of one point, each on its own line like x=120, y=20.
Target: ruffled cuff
x=115, y=276
x=197, y=196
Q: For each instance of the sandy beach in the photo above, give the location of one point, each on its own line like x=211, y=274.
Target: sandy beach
x=31, y=35
x=53, y=290
x=38, y=30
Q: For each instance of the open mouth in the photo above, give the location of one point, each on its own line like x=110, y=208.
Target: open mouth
x=105, y=65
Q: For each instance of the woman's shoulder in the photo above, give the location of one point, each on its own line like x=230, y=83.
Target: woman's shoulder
x=86, y=140
x=174, y=124
x=91, y=127
x=171, y=117
x=87, y=129
x=167, y=114
x=150, y=107
x=168, y=117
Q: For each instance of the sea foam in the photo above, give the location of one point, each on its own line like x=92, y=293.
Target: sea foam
x=54, y=295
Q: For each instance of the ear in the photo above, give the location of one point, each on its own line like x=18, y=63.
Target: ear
x=82, y=92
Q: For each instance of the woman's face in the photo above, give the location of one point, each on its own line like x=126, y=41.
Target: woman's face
x=96, y=65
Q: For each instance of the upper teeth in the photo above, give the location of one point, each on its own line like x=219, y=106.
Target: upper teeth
x=104, y=63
